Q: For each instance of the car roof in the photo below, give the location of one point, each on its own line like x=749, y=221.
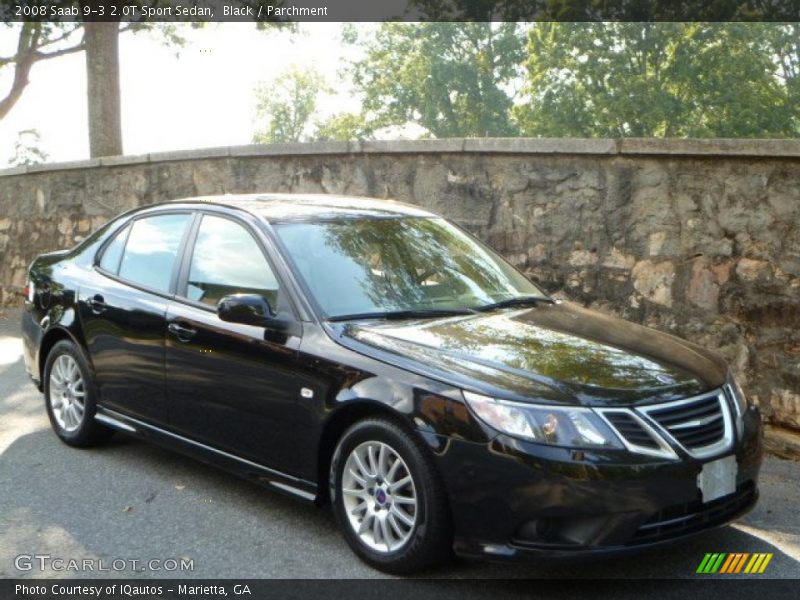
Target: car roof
x=310, y=207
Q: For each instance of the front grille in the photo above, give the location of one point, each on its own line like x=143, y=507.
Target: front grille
x=684, y=519
x=695, y=424
x=629, y=428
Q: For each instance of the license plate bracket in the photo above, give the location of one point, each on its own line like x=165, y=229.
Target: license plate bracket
x=718, y=478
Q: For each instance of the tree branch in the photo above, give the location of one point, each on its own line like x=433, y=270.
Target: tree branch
x=60, y=38
x=45, y=55
x=28, y=42
x=29, y=53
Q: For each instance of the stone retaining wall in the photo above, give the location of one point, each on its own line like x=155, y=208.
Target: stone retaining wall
x=696, y=237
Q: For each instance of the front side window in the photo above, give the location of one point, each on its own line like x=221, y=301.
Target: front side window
x=227, y=260
x=152, y=248
x=354, y=266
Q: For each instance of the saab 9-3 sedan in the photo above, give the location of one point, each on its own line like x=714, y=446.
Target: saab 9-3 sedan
x=377, y=357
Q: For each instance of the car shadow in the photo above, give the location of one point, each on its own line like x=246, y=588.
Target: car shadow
x=114, y=499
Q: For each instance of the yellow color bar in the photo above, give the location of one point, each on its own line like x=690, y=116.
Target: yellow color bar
x=758, y=563
x=764, y=564
x=749, y=567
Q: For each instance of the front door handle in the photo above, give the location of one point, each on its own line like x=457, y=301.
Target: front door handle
x=183, y=333
x=97, y=303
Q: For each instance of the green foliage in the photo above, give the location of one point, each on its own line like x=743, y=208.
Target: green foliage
x=783, y=44
x=27, y=150
x=453, y=79
x=660, y=79
x=580, y=79
x=285, y=106
x=343, y=127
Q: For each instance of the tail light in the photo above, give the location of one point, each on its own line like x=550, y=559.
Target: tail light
x=28, y=291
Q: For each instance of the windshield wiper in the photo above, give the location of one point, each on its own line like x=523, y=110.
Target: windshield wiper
x=422, y=313
x=519, y=301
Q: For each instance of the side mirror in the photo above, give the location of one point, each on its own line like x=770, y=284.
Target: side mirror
x=248, y=309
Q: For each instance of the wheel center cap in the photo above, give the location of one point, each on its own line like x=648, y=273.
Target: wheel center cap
x=380, y=496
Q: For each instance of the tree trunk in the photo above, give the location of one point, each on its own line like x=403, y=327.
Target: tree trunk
x=103, y=97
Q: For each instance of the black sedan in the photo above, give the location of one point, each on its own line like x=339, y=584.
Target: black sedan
x=376, y=356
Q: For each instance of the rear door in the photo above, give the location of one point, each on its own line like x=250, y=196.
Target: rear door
x=123, y=308
x=231, y=386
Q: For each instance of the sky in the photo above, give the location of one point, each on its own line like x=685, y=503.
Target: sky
x=198, y=98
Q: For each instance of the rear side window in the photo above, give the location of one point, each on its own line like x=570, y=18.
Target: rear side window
x=227, y=260
x=151, y=249
x=113, y=252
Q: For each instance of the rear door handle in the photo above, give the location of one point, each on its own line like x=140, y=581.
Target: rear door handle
x=97, y=303
x=184, y=334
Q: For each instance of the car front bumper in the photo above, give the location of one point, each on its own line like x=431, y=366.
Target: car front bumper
x=511, y=499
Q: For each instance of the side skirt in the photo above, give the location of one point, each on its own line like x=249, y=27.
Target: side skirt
x=264, y=476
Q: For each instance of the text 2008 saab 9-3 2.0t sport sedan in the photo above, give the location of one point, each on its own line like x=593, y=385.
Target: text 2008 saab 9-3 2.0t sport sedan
x=376, y=356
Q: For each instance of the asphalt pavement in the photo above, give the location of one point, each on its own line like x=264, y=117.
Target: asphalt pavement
x=130, y=501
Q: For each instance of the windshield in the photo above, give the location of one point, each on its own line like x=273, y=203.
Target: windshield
x=364, y=266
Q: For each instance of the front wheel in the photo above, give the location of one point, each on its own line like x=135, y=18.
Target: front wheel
x=70, y=397
x=388, y=498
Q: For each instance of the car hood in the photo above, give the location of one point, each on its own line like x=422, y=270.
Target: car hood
x=552, y=352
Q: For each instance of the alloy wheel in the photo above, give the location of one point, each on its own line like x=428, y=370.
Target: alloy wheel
x=379, y=496
x=67, y=393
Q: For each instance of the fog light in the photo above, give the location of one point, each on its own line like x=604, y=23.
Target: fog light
x=537, y=530
x=498, y=550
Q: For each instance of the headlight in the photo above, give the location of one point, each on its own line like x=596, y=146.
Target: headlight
x=739, y=401
x=571, y=427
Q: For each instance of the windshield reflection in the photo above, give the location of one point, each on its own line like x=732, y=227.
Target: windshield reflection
x=354, y=266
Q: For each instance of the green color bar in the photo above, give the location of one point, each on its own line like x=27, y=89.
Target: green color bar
x=701, y=568
x=710, y=563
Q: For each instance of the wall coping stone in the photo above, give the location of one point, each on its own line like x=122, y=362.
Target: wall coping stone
x=765, y=148
x=770, y=148
x=116, y=161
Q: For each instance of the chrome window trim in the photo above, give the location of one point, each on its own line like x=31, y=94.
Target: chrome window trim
x=664, y=450
x=725, y=442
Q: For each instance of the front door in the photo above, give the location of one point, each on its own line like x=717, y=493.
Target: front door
x=228, y=385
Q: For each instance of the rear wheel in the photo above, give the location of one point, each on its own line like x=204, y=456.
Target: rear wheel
x=388, y=499
x=70, y=397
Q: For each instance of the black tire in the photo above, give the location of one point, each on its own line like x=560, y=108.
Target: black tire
x=89, y=432
x=431, y=539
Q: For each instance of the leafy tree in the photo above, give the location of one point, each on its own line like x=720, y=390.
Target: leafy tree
x=453, y=79
x=285, y=106
x=27, y=150
x=344, y=127
x=604, y=10
x=783, y=43
x=656, y=79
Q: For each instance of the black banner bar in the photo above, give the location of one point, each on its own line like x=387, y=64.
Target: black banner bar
x=149, y=11
x=730, y=588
